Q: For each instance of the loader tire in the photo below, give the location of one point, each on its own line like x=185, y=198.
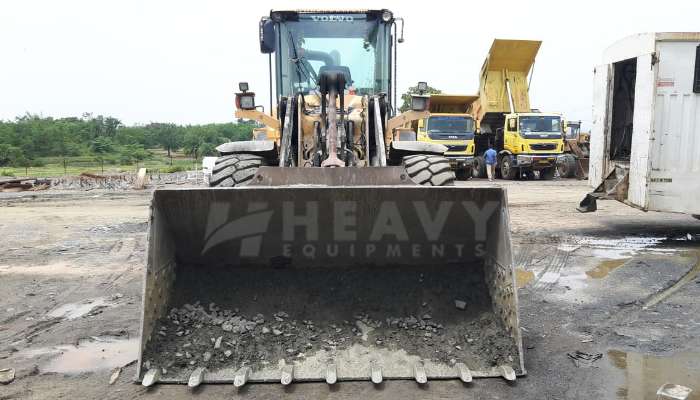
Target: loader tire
x=235, y=169
x=479, y=168
x=567, y=166
x=429, y=170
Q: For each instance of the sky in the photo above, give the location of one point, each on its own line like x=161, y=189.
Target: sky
x=180, y=61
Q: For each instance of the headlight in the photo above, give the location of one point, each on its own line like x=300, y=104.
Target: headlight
x=245, y=101
x=387, y=16
x=419, y=103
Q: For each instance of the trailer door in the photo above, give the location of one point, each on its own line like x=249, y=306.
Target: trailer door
x=642, y=133
x=599, y=131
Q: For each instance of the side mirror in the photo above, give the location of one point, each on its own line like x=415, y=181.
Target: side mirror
x=511, y=124
x=268, y=39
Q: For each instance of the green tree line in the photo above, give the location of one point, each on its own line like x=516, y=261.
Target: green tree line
x=29, y=138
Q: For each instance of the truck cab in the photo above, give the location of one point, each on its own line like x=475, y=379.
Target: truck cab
x=530, y=142
x=454, y=131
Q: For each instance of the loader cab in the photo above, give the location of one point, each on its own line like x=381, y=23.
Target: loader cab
x=303, y=43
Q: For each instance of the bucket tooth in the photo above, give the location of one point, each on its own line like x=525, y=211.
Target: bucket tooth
x=196, y=377
x=331, y=373
x=241, y=377
x=465, y=375
x=287, y=374
x=507, y=372
x=419, y=373
x=375, y=372
x=151, y=377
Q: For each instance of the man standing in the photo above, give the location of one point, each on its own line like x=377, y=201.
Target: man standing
x=490, y=158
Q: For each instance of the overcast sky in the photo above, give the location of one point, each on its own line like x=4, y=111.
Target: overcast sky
x=179, y=61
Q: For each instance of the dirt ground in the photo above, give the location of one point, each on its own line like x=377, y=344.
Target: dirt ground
x=606, y=283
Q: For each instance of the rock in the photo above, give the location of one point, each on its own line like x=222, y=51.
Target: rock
x=461, y=304
x=217, y=343
x=228, y=353
x=206, y=356
x=7, y=375
x=265, y=330
x=227, y=327
x=276, y=332
x=458, y=347
x=427, y=316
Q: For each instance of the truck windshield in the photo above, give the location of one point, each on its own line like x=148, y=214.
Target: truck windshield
x=450, y=127
x=357, y=42
x=538, y=125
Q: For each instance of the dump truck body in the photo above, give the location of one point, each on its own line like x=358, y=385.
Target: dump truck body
x=449, y=124
x=525, y=141
x=331, y=251
x=644, y=146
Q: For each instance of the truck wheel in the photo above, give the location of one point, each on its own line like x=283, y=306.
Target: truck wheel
x=547, y=174
x=479, y=168
x=566, y=166
x=696, y=216
x=235, y=169
x=464, y=173
x=508, y=170
x=429, y=170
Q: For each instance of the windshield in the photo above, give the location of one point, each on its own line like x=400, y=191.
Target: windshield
x=536, y=124
x=345, y=40
x=450, y=127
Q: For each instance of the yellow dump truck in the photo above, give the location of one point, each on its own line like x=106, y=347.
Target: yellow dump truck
x=447, y=123
x=526, y=140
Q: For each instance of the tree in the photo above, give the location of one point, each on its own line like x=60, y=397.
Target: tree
x=169, y=136
x=406, y=97
x=191, y=143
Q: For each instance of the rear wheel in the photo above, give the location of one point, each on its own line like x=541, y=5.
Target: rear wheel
x=235, y=169
x=479, y=168
x=696, y=216
x=567, y=166
x=547, y=174
x=429, y=170
x=508, y=170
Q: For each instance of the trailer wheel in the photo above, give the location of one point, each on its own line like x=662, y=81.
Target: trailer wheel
x=547, y=174
x=235, y=169
x=508, y=170
x=429, y=170
x=479, y=168
x=566, y=166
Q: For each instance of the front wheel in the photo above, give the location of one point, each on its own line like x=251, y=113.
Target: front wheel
x=547, y=174
x=235, y=170
x=566, y=166
x=429, y=170
x=463, y=174
x=508, y=170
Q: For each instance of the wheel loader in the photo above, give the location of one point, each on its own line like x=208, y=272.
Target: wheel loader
x=325, y=250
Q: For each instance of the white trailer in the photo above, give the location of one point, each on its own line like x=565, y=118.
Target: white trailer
x=645, y=138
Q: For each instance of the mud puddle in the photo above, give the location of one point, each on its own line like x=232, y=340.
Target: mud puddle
x=606, y=267
x=523, y=277
x=645, y=374
x=89, y=355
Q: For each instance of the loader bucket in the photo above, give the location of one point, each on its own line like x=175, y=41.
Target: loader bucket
x=329, y=283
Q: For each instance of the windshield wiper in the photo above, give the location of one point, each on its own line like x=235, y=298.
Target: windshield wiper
x=299, y=65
